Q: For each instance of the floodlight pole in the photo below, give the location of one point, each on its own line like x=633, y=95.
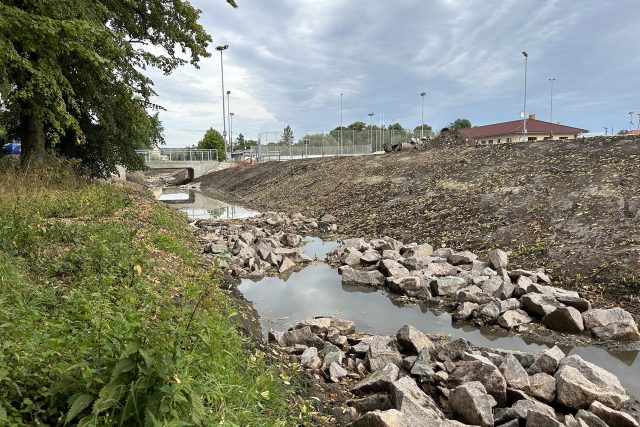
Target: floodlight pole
x=371, y=130
x=341, y=143
x=551, y=114
x=524, y=119
x=422, y=125
x=229, y=113
x=224, y=114
x=231, y=133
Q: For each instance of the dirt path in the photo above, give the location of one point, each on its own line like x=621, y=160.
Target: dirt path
x=573, y=207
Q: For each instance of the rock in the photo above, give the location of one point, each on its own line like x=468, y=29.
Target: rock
x=509, y=304
x=590, y=419
x=356, y=243
x=295, y=255
x=413, y=264
x=210, y=248
x=409, y=285
x=547, y=362
x=290, y=239
x=539, y=304
x=328, y=218
x=352, y=277
x=332, y=354
x=389, y=418
x=370, y=257
x=514, y=373
x=373, y=402
x=486, y=373
x=336, y=372
x=465, y=311
x=317, y=325
x=578, y=303
x=579, y=383
x=538, y=419
x=471, y=404
x=303, y=336
x=505, y=291
x=277, y=337
x=390, y=268
x=443, y=253
x=412, y=341
x=421, y=367
x=309, y=358
x=611, y=324
x=418, y=408
x=422, y=252
x=512, y=318
x=498, y=259
x=439, y=269
x=380, y=380
x=382, y=352
x=447, y=285
x=611, y=416
x=520, y=410
x=346, y=327
x=464, y=257
x=543, y=387
x=490, y=312
x=452, y=350
x=564, y=319
x=285, y=265
x=408, y=362
x=352, y=257
x=462, y=294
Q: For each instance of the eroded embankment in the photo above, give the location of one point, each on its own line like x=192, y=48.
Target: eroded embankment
x=573, y=207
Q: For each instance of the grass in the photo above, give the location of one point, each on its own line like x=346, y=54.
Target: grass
x=108, y=315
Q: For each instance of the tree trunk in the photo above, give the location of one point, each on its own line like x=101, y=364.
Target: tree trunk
x=32, y=133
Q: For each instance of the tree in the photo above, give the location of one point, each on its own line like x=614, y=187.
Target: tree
x=287, y=136
x=459, y=124
x=240, y=140
x=75, y=70
x=623, y=132
x=396, y=127
x=427, y=130
x=358, y=126
x=213, y=140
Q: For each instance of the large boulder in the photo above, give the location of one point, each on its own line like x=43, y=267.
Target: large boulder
x=579, y=383
x=303, y=336
x=464, y=257
x=512, y=318
x=381, y=352
x=611, y=324
x=564, y=319
x=418, y=408
x=498, y=258
x=482, y=370
x=377, y=418
x=295, y=255
x=422, y=252
x=611, y=416
x=520, y=409
x=390, y=268
x=471, y=404
x=412, y=341
x=514, y=373
x=421, y=366
x=539, y=304
x=447, y=285
x=380, y=380
x=539, y=419
x=465, y=311
x=589, y=419
x=547, y=361
x=353, y=277
x=543, y=387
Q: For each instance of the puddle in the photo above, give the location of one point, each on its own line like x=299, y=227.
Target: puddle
x=198, y=206
x=317, y=290
x=318, y=248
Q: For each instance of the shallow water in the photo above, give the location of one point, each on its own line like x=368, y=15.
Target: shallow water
x=317, y=290
x=198, y=206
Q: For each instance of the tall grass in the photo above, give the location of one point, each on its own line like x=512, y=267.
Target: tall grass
x=109, y=317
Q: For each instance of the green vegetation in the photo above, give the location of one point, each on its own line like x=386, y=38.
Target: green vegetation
x=459, y=124
x=287, y=136
x=109, y=317
x=212, y=140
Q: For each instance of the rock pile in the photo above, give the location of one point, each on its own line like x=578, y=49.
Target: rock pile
x=486, y=292
x=416, y=380
x=446, y=139
x=257, y=246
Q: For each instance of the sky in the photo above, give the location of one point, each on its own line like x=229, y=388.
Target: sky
x=289, y=60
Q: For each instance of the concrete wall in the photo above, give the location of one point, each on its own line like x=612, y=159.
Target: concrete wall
x=515, y=137
x=196, y=169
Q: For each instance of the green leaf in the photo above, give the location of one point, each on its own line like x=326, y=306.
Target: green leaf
x=79, y=403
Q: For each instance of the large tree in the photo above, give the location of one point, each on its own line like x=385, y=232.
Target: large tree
x=75, y=71
x=459, y=124
x=213, y=140
x=287, y=136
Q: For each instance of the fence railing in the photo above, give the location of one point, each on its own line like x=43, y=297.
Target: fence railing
x=179, y=155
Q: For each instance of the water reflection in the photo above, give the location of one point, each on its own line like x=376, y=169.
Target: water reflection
x=198, y=206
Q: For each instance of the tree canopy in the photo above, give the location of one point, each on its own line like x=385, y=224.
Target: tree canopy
x=459, y=124
x=213, y=140
x=74, y=69
x=287, y=135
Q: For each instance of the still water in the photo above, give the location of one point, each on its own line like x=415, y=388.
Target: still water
x=198, y=206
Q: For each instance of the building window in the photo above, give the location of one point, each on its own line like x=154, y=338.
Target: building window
x=532, y=138
x=546, y=138
x=484, y=141
x=508, y=139
x=499, y=140
x=491, y=141
x=564, y=137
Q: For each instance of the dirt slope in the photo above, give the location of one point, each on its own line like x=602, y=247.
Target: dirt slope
x=573, y=207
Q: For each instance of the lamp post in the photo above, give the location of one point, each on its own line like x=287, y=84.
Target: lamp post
x=638, y=121
x=606, y=129
x=341, y=123
x=524, y=118
x=224, y=114
x=371, y=130
x=422, y=125
x=551, y=113
x=229, y=112
x=231, y=133
x=631, y=120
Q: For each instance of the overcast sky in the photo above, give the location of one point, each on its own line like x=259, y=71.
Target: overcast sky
x=289, y=60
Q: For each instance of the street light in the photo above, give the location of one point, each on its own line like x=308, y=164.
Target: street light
x=371, y=130
x=229, y=112
x=231, y=133
x=341, y=123
x=631, y=113
x=524, y=118
x=551, y=114
x=638, y=121
x=606, y=129
x=224, y=114
x=422, y=125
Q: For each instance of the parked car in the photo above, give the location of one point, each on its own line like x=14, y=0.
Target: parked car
x=12, y=148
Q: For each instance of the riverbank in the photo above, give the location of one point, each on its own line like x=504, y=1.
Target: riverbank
x=571, y=207
x=109, y=314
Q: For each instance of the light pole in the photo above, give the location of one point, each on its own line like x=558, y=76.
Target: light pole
x=422, y=125
x=524, y=118
x=631, y=120
x=341, y=123
x=371, y=130
x=231, y=133
x=229, y=112
x=606, y=129
x=638, y=121
x=224, y=114
x=551, y=114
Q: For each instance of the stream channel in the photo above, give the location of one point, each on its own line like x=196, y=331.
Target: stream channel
x=317, y=290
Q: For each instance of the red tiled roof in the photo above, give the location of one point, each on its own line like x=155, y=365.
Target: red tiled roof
x=534, y=126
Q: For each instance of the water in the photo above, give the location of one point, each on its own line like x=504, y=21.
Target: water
x=317, y=290
x=199, y=206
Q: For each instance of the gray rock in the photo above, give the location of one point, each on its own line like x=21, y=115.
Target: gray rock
x=509, y=304
x=422, y=367
x=412, y=341
x=447, y=285
x=486, y=373
x=543, y=387
x=443, y=252
x=452, y=350
x=611, y=324
x=498, y=258
x=290, y=239
x=611, y=416
x=471, y=404
x=303, y=336
x=336, y=372
x=512, y=318
x=417, y=407
x=465, y=311
x=462, y=294
x=285, y=265
x=578, y=303
x=539, y=304
x=277, y=337
x=520, y=410
x=380, y=380
x=352, y=257
x=308, y=356
x=547, y=361
x=464, y=257
x=317, y=325
x=295, y=255
x=514, y=373
x=538, y=419
x=505, y=291
x=390, y=268
x=579, y=383
x=413, y=264
x=491, y=285
x=590, y=419
x=356, y=243
x=440, y=269
x=389, y=418
x=370, y=257
x=408, y=362
x=405, y=284
x=380, y=402
x=332, y=354
x=380, y=353
x=352, y=277
x=345, y=327
x=490, y=312
x=422, y=252
x=479, y=266
x=564, y=319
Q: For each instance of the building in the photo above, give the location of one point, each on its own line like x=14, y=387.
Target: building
x=537, y=130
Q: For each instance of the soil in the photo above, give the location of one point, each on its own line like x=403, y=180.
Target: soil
x=570, y=206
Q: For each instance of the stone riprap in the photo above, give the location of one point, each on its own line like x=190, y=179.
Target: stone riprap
x=414, y=379
x=486, y=292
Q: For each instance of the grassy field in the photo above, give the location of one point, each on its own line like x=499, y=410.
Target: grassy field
x=109, y=317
